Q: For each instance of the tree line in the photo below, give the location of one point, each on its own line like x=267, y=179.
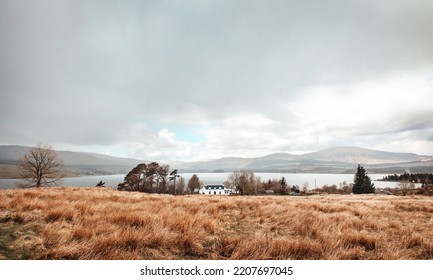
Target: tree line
x=155, y=178
x=245, y=182
x=423, y=178
x=41, y=167
x=152, y=178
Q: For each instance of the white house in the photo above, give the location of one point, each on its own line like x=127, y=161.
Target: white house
x=215, y=190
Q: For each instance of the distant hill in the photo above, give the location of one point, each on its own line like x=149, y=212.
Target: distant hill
x=332, y=160
x=77, y=163
x=360, y=155
x=11, y=154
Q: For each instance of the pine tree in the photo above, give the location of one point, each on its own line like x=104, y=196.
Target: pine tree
x=362, y=182
x=283, y=186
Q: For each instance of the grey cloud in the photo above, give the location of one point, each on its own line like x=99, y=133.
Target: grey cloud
x=417, y=121
x=81, y=72
x=420, y=122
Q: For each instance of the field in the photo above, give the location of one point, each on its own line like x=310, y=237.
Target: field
x=102, y=223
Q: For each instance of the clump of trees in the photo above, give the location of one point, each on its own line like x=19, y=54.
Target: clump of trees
x=343, y=188
x=153, y=178
x=362, y=182
x=275, y=186
x=423, y=178
x=245, y=182
x=41, y=167
x=150, y=178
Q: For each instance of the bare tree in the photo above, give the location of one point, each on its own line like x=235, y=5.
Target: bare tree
x=406, y=186
x=244, y=182
x=305, y=187
x=180, y=187
x=194, y=183
x=41, y=167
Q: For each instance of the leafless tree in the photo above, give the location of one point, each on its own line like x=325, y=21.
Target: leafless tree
x=305, y=187
x=194, y=183
x=406, y=186
x=180, y=186
x=244, y=182
x=41, y=167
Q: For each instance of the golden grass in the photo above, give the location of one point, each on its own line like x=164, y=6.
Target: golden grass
x=102, y=223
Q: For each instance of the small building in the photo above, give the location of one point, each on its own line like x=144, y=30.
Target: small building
x=269, y=192
x=215, y=190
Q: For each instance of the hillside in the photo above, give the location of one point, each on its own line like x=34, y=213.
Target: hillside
x=360, y=155
x=332, y=160
x=76, y=163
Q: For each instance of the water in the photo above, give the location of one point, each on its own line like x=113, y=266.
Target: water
x=299, y=179
x=85, y=181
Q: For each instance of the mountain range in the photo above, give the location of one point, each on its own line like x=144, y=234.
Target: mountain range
x=76, y=163
x=332, y=160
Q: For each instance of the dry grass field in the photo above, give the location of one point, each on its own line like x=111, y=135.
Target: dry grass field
x=102, y=223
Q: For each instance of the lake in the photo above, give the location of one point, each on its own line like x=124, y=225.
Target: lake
x=219, y=178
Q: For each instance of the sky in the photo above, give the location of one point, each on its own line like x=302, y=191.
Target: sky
x=199, y=80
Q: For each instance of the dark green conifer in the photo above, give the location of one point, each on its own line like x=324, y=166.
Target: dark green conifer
x=283, y=186
x=362, y=182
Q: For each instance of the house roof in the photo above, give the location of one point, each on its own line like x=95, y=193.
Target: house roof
x=214, y=187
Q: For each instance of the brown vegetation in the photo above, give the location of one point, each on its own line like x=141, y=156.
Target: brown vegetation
x=102, y=223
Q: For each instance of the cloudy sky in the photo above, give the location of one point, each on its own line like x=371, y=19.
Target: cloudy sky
x=194, y=80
